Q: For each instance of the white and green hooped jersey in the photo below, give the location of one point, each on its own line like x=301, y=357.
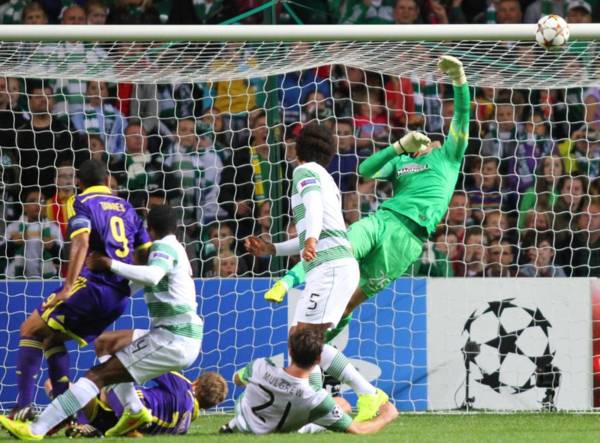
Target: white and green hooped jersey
x=333, y=242
x=275, y=401
x=172, y=302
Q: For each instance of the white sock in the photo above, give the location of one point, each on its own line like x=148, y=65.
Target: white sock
x=65, y=405
x=337, y=365
x=128, y=397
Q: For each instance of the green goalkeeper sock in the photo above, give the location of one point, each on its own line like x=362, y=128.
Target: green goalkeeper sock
x=334, y=332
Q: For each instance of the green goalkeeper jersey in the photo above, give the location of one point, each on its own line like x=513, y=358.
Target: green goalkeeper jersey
x=423, y=186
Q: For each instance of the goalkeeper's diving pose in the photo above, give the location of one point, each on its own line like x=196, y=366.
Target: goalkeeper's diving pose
x=387, y=242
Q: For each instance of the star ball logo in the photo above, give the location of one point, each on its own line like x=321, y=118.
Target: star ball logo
x=508, y=346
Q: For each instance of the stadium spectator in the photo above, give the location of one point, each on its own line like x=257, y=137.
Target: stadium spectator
x=32, y=244
x=371, y=119
x=581, y=152
x=484, y=192
x=96, y=12
x=100, y=117
x=508, y=12
x=406, y=12
x=317, y=107
x=97, y=148
x=343, y=165
x=34, y=14
x=586, y=242
x=220, y=241
x=541, y=260
x=501, y=138
x=65, y=191
x=10, y=118
x=571, y=200
x=224, y=265
x=497, y=225
x=435, y=261
x=139, y=171
x=544, y=7
x=591, y=99
x=458, y=216
x=179, y=100
x=472, y=264
x=369, y=12
x=198, y=170
x=536, y=143
x=133, y=12
x=294, y=88
x=43, y=142
x=579, y=11
x=499, y=259
x=542, y=194
x=73, y=15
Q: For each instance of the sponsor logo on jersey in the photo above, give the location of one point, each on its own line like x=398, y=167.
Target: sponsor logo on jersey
x=411, y=168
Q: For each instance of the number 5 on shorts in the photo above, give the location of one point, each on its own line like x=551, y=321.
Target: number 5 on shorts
x=313, y=300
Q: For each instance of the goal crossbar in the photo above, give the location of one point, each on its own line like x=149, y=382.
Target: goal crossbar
x=264, y=33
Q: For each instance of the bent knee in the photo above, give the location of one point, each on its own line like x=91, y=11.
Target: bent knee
x=34, y=326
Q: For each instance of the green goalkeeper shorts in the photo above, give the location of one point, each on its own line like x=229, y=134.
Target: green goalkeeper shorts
x=384, y=248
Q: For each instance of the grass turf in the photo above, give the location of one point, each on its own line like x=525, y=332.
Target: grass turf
x=414, y=428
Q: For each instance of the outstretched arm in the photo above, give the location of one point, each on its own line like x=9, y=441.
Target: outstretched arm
x=458, y=137
x=380, y=166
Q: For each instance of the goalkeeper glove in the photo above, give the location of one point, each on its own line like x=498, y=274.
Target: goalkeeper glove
x=277, y=292
x=412, y=142
x=453, y=68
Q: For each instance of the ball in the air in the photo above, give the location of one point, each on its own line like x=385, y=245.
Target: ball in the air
x=552, y=32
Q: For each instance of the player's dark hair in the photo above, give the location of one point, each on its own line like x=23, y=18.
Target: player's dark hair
x=210, y=389
x=92, y=173
x=315, y=144
x=306, y=345
x=163, y=220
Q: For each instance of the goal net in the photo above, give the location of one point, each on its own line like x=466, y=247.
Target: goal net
x=209, y=128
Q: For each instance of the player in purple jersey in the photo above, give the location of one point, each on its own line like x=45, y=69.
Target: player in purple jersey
x=173, y=399
x=87, y=302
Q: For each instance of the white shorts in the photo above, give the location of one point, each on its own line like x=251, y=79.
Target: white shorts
x=156, y=352
x=328, y=290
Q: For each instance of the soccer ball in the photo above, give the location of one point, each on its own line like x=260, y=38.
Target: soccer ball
x=513, y=342
x=552, y=32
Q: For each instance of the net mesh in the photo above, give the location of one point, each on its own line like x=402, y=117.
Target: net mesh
x=196, y=125
x=487, y=63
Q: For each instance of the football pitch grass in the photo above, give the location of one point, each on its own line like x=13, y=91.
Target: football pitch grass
x=547, y=427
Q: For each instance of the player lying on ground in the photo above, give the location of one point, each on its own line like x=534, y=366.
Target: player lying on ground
x=424, y=176
x=174, y=400
x=172, y=343
x=283, y=400
x=88, y=301
x=331, y=269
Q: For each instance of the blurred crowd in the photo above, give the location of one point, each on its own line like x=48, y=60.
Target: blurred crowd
x=527, y=202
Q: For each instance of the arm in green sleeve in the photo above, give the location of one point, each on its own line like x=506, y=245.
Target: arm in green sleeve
x=379, y=165
x=457, y=140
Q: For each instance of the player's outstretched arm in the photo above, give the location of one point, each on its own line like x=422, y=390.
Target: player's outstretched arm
x=379, y=166
x=387, y=414
x=147, y=275
x=458, y=137
x=294, y=277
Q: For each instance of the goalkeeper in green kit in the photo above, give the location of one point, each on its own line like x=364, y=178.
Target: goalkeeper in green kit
x=424, y=175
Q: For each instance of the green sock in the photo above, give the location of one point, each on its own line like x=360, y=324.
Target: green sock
x=333, y=333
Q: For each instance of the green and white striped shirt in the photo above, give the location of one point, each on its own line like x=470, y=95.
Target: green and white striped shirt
x=172, y=302
x=333, y=241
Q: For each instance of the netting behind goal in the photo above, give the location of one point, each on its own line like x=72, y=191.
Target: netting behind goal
x=204, y=128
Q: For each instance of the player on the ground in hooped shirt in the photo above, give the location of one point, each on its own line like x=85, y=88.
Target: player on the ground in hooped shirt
x=88, y=301
x=284, y=400
x=424, y=176
x=174, y=400
x=331, y=270
x=172, y=343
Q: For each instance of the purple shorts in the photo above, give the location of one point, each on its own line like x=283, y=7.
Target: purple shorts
x=87, y=312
